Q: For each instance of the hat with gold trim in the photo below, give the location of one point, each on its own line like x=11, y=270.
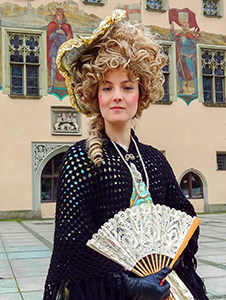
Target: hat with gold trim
x=72, y=49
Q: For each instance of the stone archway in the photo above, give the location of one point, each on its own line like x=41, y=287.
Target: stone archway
x=41, y=154
x=204, y=184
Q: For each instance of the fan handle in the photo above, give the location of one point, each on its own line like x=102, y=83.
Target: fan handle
x=187, y=238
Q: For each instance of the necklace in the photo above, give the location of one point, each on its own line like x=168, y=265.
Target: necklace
x=132, y=175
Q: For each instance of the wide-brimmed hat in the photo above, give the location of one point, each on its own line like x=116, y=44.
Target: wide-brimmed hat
x=71, y=50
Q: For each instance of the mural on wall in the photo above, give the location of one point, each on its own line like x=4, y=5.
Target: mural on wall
x=133, y=11
x=63, y=20
x=58, y=32
x=186, y=53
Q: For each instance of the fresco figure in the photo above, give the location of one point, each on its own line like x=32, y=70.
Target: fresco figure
x=186, y=54
x=59, y=31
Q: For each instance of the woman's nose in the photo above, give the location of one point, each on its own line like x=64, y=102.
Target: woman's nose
x=117, y=95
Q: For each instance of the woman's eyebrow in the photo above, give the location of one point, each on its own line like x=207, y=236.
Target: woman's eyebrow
x=106, y=82
x=122, y=82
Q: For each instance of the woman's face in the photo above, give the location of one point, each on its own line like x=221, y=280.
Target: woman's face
x=118, y=97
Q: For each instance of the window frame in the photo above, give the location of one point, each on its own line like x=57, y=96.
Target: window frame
x=86, y=2
x=200, y=77
x=190, y=174
x=172, y=67
x=53, y=177
x=220, y=10
x=220, y=153
x=165, y=7
x=6, y=79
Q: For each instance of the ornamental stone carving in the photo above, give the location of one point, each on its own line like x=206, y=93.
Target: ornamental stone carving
x=65, y=121
x=40, y=151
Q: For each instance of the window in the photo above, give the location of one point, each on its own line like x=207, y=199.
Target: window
x=191, y=186
x=213, y=79
x=157, y=5
x=166, y=75
x=212, y=8
x=221, y=161
x=94, y=2
x=25, y=64
x=49, y=178
x=169, y=84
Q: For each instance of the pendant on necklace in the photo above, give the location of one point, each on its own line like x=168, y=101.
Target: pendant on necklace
x=129, y=157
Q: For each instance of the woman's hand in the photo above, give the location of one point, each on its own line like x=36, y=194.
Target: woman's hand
x=148, y=287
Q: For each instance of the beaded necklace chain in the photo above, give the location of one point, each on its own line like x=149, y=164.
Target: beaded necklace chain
x=132, y=175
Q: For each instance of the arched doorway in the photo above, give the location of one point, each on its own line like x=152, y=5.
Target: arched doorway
x=42, y=153
x=48, y=185
x=49, y=178
x=194, y=187
x=191, y=185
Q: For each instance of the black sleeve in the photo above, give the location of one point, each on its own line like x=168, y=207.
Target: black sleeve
x=74, y=222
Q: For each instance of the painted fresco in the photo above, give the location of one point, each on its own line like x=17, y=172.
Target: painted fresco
x=133, y=11
x=63, y=20
x=184, y=30
x=58, y=32
x=186, y=53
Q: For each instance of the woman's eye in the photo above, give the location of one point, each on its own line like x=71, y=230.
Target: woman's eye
x=128, y=88
x=106, y=89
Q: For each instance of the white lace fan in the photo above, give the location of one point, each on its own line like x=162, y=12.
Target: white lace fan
x=145, y=238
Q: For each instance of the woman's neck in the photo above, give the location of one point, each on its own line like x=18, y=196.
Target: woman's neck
x=120, y=134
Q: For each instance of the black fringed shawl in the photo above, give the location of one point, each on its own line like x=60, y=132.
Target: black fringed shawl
x=87, y=197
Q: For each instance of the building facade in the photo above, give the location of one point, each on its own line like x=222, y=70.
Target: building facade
x=38, y=124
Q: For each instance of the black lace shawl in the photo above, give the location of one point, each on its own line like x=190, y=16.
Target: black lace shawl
x=87, y=197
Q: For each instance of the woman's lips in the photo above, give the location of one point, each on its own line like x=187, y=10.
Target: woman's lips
x=117, y=107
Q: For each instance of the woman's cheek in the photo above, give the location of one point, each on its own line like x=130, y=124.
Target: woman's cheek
x=135, y=98
x=100, y=100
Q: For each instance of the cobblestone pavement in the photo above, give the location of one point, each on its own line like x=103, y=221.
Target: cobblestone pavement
x=25, y=250
x=212, y=254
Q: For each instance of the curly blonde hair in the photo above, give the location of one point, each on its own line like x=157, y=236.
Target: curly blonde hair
x=123, y=46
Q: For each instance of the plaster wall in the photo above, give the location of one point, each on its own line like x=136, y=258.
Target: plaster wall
x=24, y=122
x=187, y=133
x=190, y=135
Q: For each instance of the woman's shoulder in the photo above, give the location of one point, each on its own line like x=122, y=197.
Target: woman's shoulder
x=156, y=158
x=152, y=151
x=78, y=146
x=76, y=151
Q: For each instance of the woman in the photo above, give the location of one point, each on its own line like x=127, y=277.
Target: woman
x=112, y=75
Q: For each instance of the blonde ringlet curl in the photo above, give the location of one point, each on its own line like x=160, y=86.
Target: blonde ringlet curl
x=94, y=142
x=123, y=46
